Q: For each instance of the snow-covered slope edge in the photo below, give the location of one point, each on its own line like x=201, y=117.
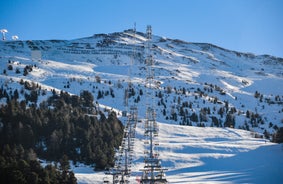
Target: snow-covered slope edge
x=208, y=155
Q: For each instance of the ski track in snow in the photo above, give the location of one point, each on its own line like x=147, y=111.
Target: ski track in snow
x=207, y=155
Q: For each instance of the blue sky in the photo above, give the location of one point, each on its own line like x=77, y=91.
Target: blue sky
x=243, y=25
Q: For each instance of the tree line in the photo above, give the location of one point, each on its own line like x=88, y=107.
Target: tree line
x=19, y=165
x=63, y=124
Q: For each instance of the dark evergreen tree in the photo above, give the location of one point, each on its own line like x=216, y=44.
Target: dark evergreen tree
x=99, y=95
x=64, y=128
x=194, y=117
x=278, y=136
x=229, y=121
x=87, y=98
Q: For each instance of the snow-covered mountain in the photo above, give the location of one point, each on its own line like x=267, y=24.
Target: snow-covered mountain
x=191, y=78
x=197, y=84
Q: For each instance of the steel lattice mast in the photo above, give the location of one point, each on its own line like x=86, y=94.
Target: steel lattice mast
x=122, y=170
x=152, y=171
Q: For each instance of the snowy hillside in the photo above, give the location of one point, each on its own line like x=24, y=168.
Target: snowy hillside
x=196, y=83
x=207, y=155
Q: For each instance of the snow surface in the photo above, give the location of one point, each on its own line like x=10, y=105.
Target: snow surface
x=191, y=154
x=206, y=155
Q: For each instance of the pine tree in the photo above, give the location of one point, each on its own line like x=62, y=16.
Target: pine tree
x=229, y=121
x=64, y=163
x=278, y=136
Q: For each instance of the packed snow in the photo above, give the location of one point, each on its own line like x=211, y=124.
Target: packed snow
x=206, y=155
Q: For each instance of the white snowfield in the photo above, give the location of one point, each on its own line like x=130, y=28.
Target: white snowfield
x=206, y=155
x=191, y=154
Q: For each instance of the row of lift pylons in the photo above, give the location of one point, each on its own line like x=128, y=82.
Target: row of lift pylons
x=152, y=172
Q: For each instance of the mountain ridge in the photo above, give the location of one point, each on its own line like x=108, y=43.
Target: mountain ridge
x=111, y=35
x=203, y=74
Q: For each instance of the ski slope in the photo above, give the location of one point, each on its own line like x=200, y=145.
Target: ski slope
x=206, y=155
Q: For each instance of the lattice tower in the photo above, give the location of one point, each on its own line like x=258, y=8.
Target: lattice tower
x=152, y=171
x=121, y=172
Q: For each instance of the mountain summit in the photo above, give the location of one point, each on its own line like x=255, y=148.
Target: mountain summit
x=196, y=83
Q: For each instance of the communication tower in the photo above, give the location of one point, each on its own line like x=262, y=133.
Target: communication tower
x=153, y=173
